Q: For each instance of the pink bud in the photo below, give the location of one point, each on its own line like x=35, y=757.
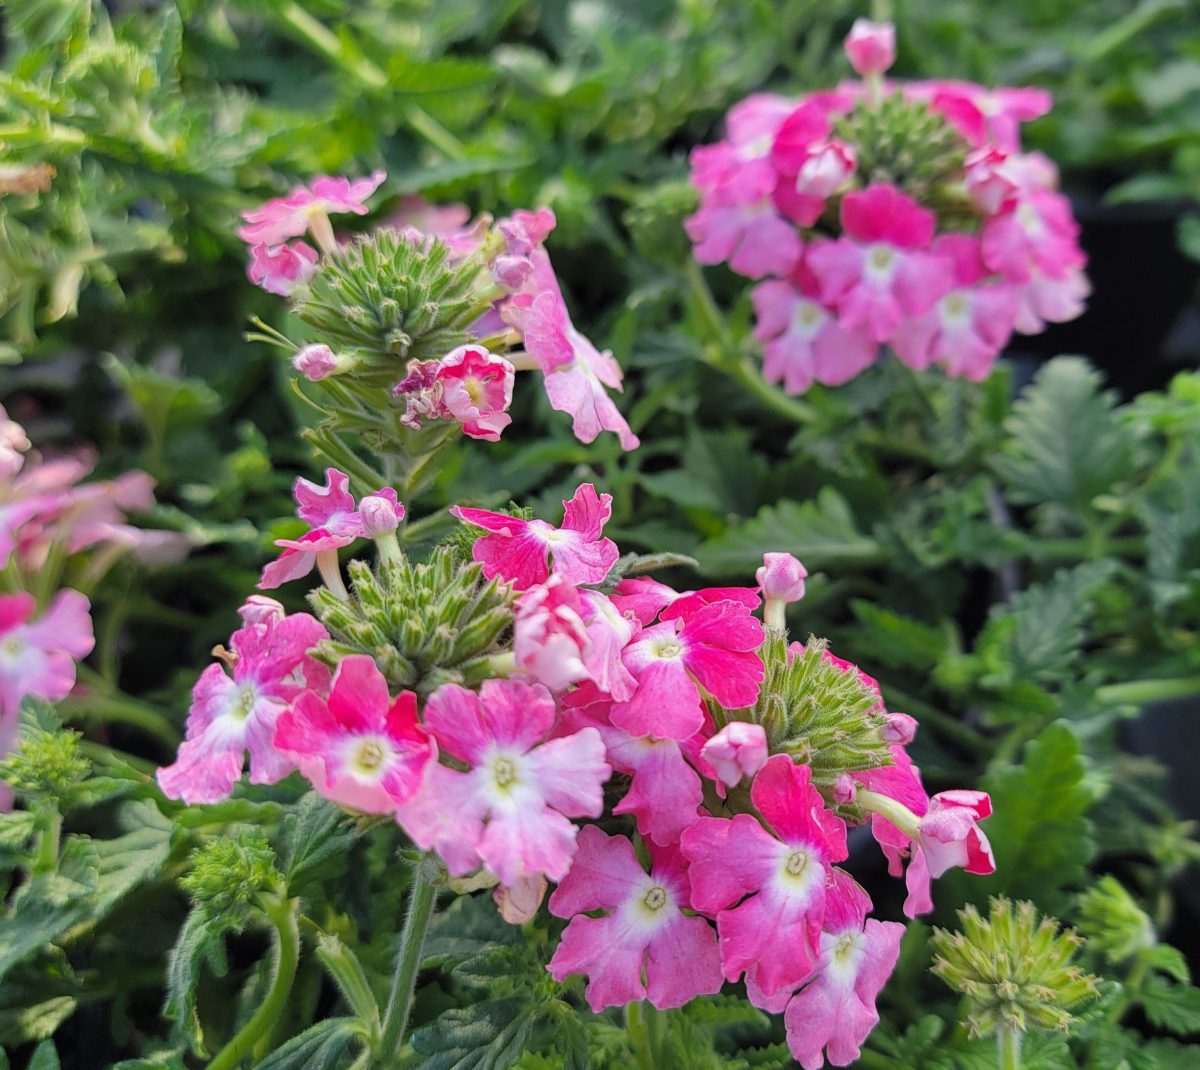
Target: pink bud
x=844, y=789
x=738, y=750
x=781, y=578
x=512, y=271
x=987, y=182
x=379, y=516
x=871, y=46
x=900, y=728
x=315, y=362
x=519, y=902
x=259, y=609
x=826, y=169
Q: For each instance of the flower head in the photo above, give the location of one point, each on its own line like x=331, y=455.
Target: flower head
x=468, y=384
x=37, y=657
x=738, y=750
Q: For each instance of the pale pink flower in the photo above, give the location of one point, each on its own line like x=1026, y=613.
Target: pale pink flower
x=645, y=946
x=520, y=902
x=476, y=390
x=13, y=445
x=231, y=715
x=380, y=515
x=37, y=657
x=516, y=550
x=510, y=810
x=949, y=836
x=550, y=641
x=315, y=362
x=871, y=46
x=781, y=577
x=984, y=115
x=768, y=892
x=879, y=274
x=1043, y=299
x=752, y=238
x=740, y=165
x=987, y=180
x=738, y=750
x=609, y=632
x=716, y=648
x=290, y=216
x=968, y=326
x=1039, y=235
x=280, y=269
x=358, y=748
x=261, y=609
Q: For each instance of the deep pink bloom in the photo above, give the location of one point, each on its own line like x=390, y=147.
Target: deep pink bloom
x=811, y=167
x=871, y=46
x=768, y=892
x=476, y=390
x=968, y=327
x=510, y=810
x=753, y=239
x=516, y=550
x=988, y=181
x=781, y=577
x=949, y=836
x=738, y=750
x=716, y=647
x=315, y=362
x=575, y=372
x=279, y=269
x=645, y=931
x=740, y=165
x=984, y=115
x=290, y=216
x=550, y=641
x=37, y=657
x=359, y=749
x=1039, y=235
x=231, y=715
x=608, y=634
x=643, y=599
x=879, y=274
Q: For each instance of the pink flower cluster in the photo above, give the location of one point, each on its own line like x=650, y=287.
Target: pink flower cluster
x=851, y=261
x=655, y=685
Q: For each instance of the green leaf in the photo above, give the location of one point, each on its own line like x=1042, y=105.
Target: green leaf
x=201, y=940
x=720, y=472
x=35, y=1021
x=821, y=531
x=44, y=1057
x=898, y=641
x=320, y=1047
x=1165, y=1055
x=1066, y=443
x=488, y=1035
x=1169, y=960
x=317, y=838
x=1173, y=1007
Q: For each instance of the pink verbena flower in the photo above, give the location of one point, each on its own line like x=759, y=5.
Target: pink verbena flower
x=871, y=47
x=781, y=577
x=307, y=206
x=948, y=836
x=316, y=362
x=516, y=550
x=738, y=750
x=984, y=115
x=280, y=269
x=879, y=273
x=231, y=715
x=575, y=373
x=37, y=657
x=469, y=385
x=644, y=599
x=644, y=933
x=752, y=238
x=1039, y=235
x=13, y=445
x=835, y=1011
x=768, y=891
x=510, y=810
x=715, y=647
x=358, y=748
x=550, y=641
x=967, y=327
x=1044, y=300
x=741, y=165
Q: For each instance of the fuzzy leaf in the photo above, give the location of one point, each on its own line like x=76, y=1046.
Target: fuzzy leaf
x=201, y=940
x=488, y=1035
x=320, y=1047
x=897, y=641
x=1173, y=1007
x=44, y=1057
x=317, y=838
x=820, y=531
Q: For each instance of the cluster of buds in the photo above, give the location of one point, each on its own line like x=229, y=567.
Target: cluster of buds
x=899, y=214
x=537, y=712
x=428, y=317
x=51, y=521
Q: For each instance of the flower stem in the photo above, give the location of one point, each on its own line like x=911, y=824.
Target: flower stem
x=897, y=813
x=1008, y=1043
x=639, y=1036
x=422, y=898
x=282, y=915
x=1141, y=692
x=48, y=843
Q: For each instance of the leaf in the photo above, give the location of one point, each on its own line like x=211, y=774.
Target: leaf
x=821, y=531
x=488, y=1035
x=320, y=1047
x=1066, y=443
x=898, y=641
x=201, y=940
x=44, y=1057
x=1173, y=1007
x=720, y=472
x=317, y=837
x=1166, y=1055
x=1169, y=960
x=35, y=1021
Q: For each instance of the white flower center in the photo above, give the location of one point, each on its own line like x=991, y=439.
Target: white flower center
x=808, y=318
x=12, y=647
x=955, y=309
x=476, y=390
x=368, y=757
x=881, y=263
x=655, y=899
x=504, y=773
x=667, y=649
x=243, y=705
x=796, y=864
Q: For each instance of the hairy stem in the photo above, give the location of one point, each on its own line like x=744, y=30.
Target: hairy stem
x=1008, y=1043
x=422, y=898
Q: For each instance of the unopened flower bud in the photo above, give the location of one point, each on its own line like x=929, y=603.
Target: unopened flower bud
x=871, y=46
x=844, y=789
x=519, y=902
x=900, y=728
x=379, y=516
x=738, y=750
x=315, y=362
x=259, y=609
x=781, y=578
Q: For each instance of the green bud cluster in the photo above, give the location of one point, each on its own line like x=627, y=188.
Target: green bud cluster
x=1015, y=969
x=47, y=765
x=823, y=717
x=383, y=300
x=228, y=875
x=906, y=143
x=1113, y=922
x=424, y=624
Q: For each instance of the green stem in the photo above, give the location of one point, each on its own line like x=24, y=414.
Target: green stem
x=1141, y=692
x=48, y=843
x=639, y=1036
x=320, y=38
x=422, y=898
x=895, y=812
x=286, y=950
x=1008, y=1043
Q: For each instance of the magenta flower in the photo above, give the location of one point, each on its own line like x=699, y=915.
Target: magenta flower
x=871, y=47
x=279, y=269
x=984, y=115
x=575, y=372
x=879, y=274
x=715, y=647
x=767, y=891
x=477, y=390
x=359, y=749
x=966, y=329
x=1038, y=235
x=738, y=750
x=231, y=715
x=550, y=641
x=510, y=810
x=644, y=933
x=516, y=550
x=948, y=836
x=37, y=657
x=308, y=206
x=316, y=362
x=643, y=599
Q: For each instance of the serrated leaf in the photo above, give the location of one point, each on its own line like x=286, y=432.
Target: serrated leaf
x=201, y=941
x=821, y=531
x=1173, y=1007
x=1066, y=444
x=488, y=1035
x=1169, y=960
x=720, y=472
x=898, y=641
x=320, y=1047
x=317, y=837
x=36, y=1021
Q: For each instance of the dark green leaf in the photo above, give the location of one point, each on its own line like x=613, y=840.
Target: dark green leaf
x=320, y=1047
x=488, y=1035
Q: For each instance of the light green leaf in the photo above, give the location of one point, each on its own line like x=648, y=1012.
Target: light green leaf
x=1173, y=1007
